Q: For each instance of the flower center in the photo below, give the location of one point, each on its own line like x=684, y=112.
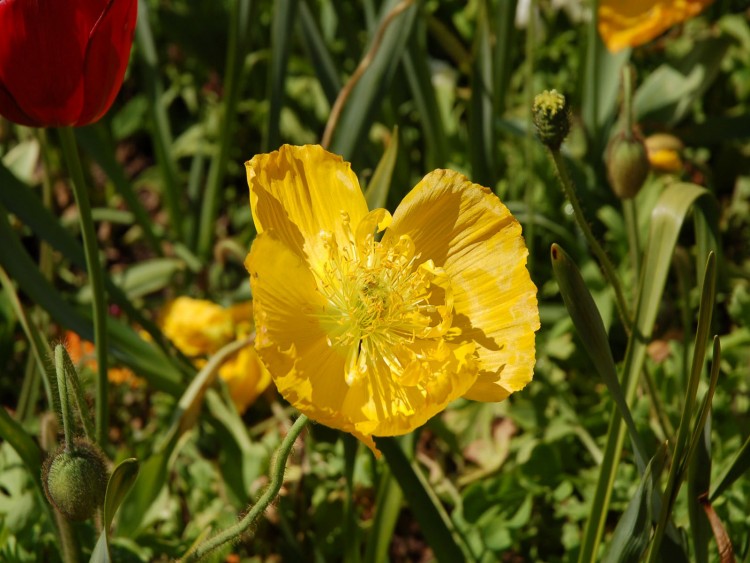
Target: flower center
x=382, y=301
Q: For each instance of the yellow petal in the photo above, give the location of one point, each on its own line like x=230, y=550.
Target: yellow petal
x=466, y=230
x=195, y=326
x=300, y=192
x=310, y=368
x=629, y=23
x=245, y=377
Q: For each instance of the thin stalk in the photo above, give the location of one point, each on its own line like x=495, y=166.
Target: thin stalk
x=634, y=244
x=529, y=141
x=607, y=269
x=68, y=543
x=96, y=279
x=162, y=135
x=277, y=479
x=240, y=13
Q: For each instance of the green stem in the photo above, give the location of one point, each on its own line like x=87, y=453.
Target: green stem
x=62, y=387
x=68, y=543
x=277, y=479
x=70, y=152
x=162, y=136
x=606, y=266
x=530, y=198
x=237, y=41
x=634, y=244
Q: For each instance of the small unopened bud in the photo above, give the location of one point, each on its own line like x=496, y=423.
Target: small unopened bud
x=551, y=118
x=76, y=480
x=627, y=164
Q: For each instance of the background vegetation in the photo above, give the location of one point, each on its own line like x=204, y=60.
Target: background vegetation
x=451, y=85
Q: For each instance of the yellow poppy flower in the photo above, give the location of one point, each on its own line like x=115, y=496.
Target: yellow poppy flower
x=199, y=328
x=375, y=334
x=664, y=152
x=629, y=23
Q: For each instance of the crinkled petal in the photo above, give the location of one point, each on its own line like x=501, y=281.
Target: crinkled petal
x=300, y=192
x=465, y=229
x=309, y=368
x=629, y=23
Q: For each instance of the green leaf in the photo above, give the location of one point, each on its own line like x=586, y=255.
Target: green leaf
x=667, y=218
x=633, y=531
x=590, y=327
x=668, y=93
x=481, y=114
x=141, y=278
x=13, y=433
x=436, y=525
x=281, y=29
x=376, y=193
x=368, y=94
x=120, y=483
x=321, y=59
x=739, y=465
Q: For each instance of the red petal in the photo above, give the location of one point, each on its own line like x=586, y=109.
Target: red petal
x=107, y=58
x=42, y=56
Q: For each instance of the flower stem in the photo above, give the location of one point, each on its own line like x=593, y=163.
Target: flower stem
x=62, y=387
x=70, y=153
x=277, y=478
x=634, y=243
x=606, y=266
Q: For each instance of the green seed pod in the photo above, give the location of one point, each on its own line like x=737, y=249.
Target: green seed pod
x=627, y=164
x=75, y=481
x=551, y=118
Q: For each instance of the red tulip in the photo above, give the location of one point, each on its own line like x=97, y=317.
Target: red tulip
x=62, y=61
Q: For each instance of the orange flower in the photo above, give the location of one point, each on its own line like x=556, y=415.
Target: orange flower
x=629, y=23
x=82, y=354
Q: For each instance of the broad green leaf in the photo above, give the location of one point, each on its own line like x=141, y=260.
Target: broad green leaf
x=120, y=483
x=376, y=193
x=141, y=278
x=668, y=93
x=13, y=433
x=504, y=37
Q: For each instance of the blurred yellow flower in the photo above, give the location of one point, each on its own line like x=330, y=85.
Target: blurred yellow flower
x=629, y=23
x=664, y=152
x=199, y=328
x=375, y=334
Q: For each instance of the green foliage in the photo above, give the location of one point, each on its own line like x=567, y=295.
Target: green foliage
x=544, y=476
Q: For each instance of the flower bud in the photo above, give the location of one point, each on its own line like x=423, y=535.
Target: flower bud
x=75, y=481
x=551, y=118
x=627, y=164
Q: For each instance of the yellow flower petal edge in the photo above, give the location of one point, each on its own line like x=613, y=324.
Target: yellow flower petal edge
x=465, y=229
x=372, y=324
x=197, y=327
x=629, y=23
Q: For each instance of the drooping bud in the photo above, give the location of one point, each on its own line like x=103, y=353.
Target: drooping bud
x=551, y=118
x=75, y=481
x=627, y=163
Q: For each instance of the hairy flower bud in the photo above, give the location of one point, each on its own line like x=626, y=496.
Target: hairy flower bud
x=551, y=118
x=75, y=481
x=627, y=164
